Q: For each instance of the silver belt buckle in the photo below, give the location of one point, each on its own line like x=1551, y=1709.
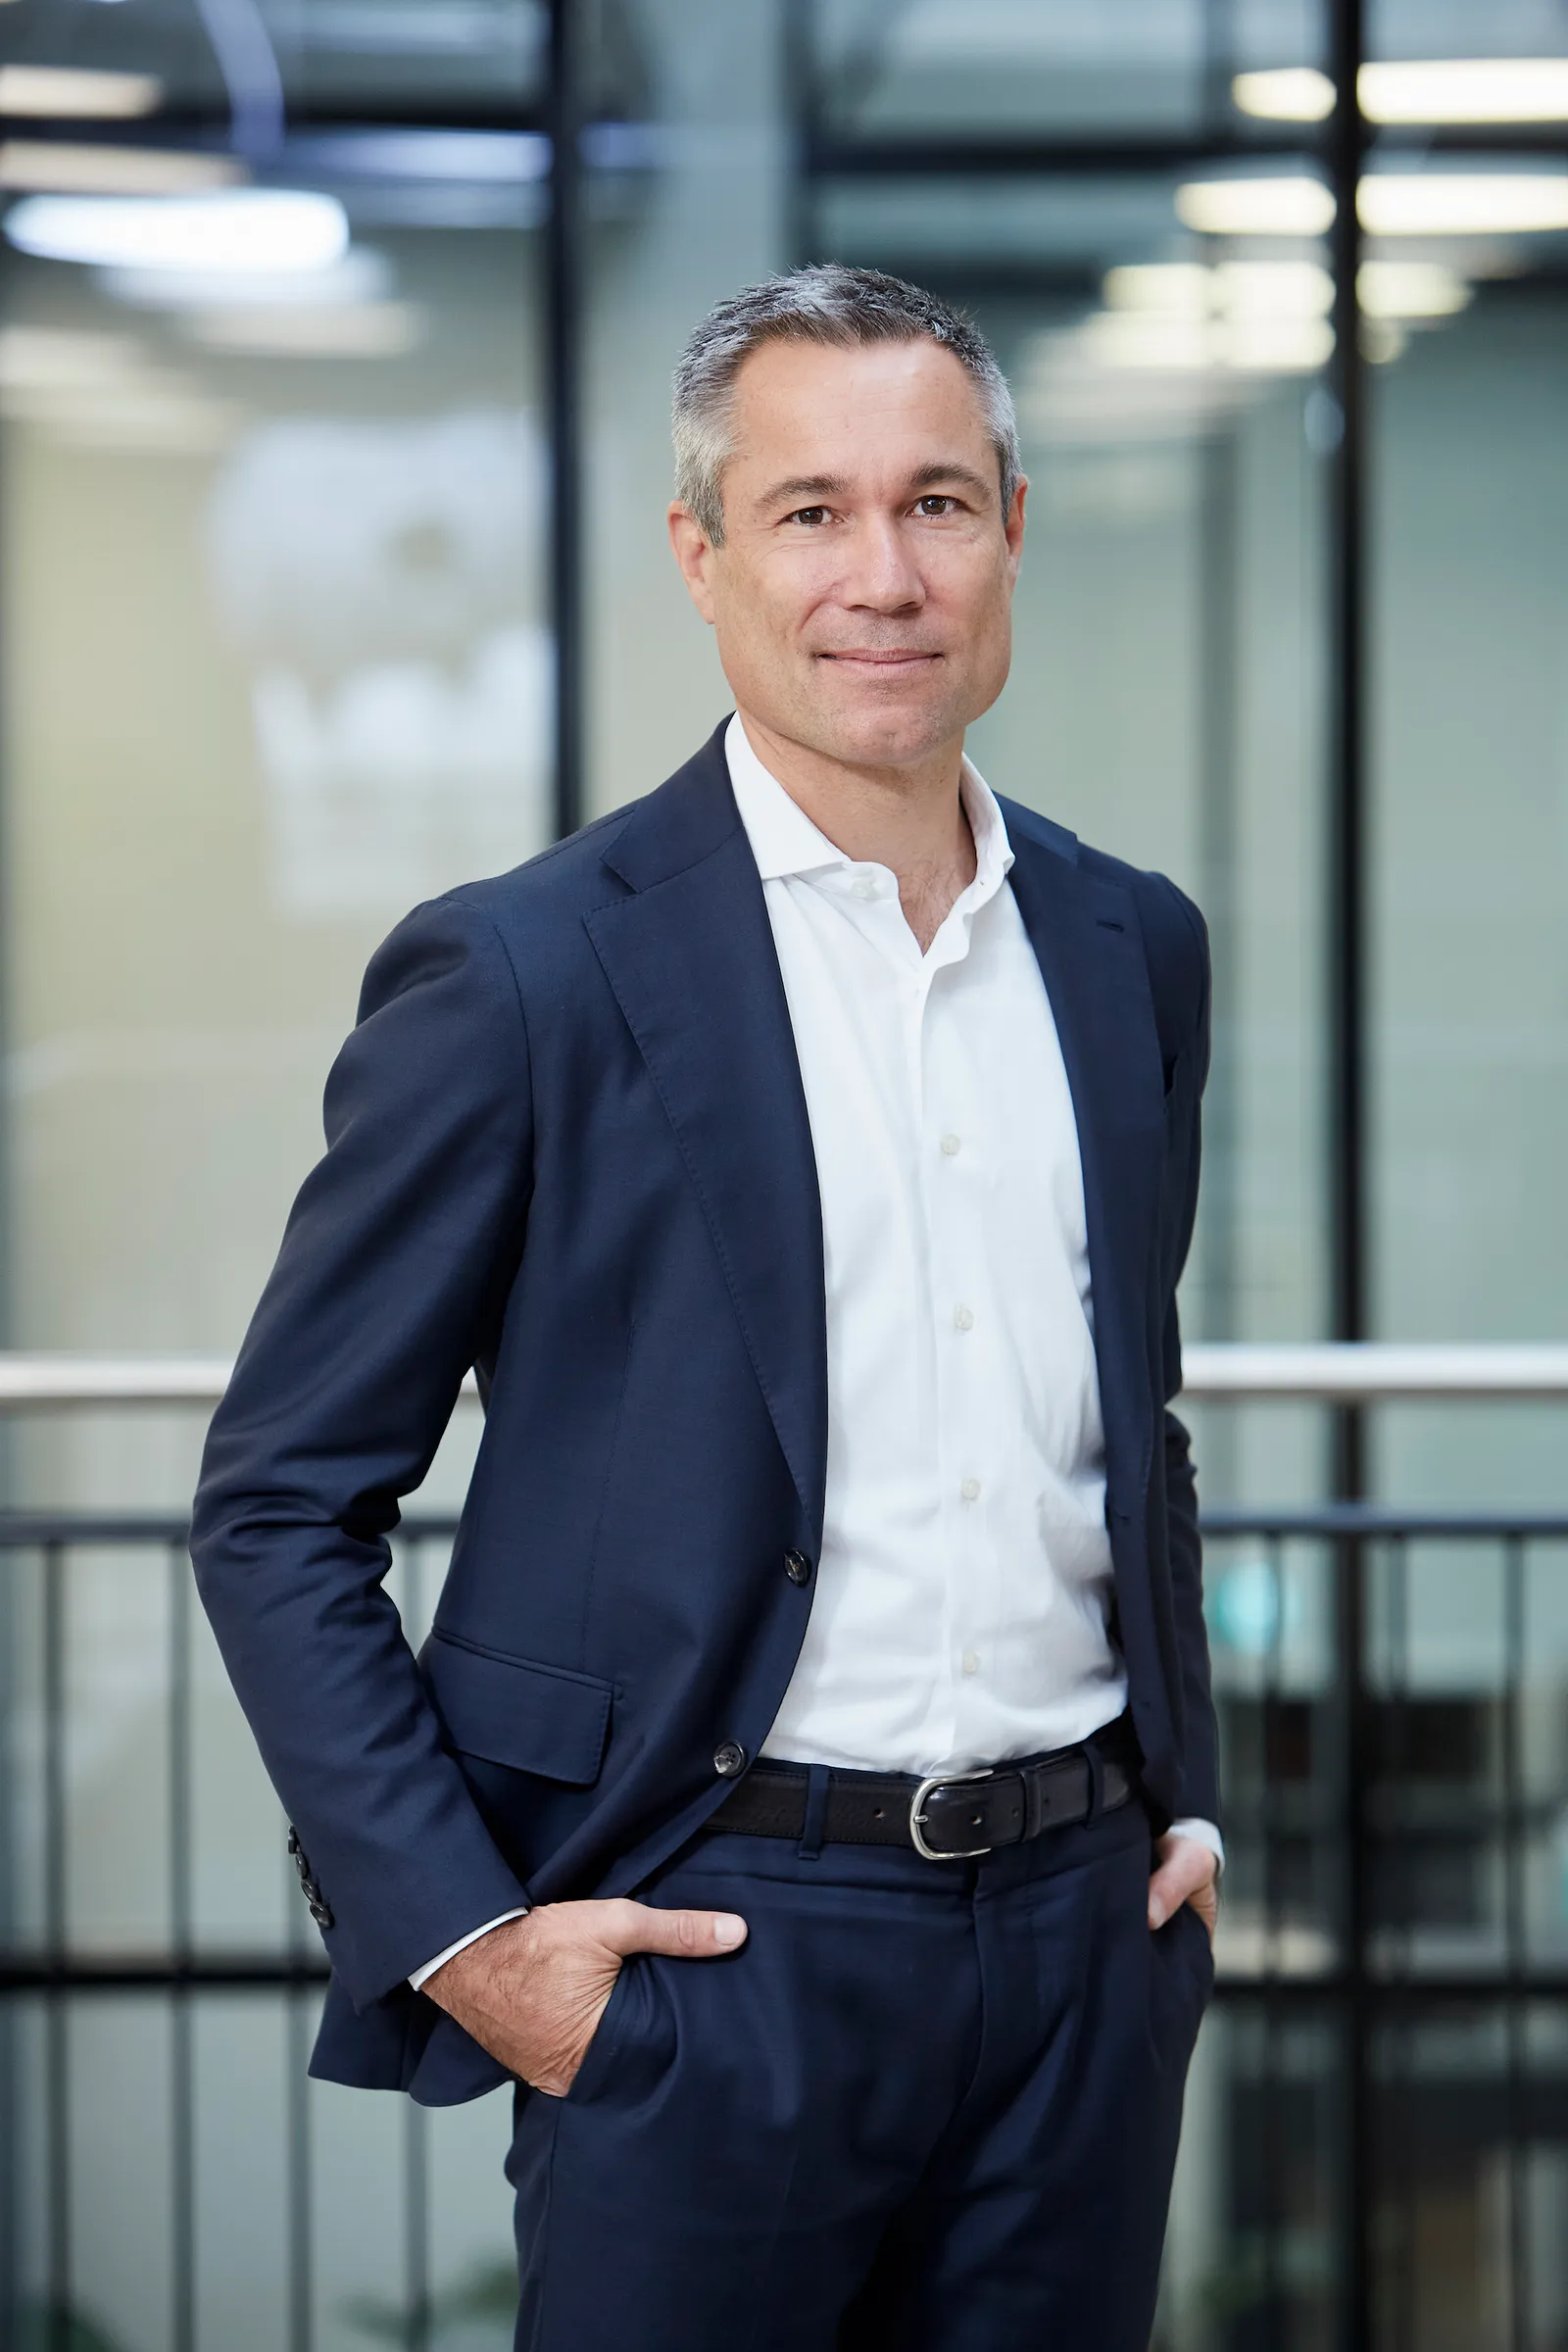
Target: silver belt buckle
x=944, y=1780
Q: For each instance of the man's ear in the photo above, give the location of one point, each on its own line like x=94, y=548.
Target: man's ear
x=1012, y=525
x=694, y=553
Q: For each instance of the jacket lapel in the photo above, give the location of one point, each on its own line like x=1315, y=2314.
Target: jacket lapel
x=1087, y=939
x=691, y=959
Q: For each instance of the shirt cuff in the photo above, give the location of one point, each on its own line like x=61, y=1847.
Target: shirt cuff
x=420, y=1975
x=1201, y=1833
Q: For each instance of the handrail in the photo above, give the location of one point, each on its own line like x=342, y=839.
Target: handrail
x=1320, y=1372
x=1335, y=1373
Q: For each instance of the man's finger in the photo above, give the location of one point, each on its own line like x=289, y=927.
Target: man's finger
x=1186, y=1869
x=681, y=1935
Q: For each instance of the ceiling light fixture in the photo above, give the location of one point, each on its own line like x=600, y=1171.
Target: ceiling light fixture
x=1462, y=204
x=54, y=167
x=238, y=231
x=1410, y=290
x=1288, y=94
x=1423, y=90
x=1390, y=204
x=1278, y=206
x=76, y=95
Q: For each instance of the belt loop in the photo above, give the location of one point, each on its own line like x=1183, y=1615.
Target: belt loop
x=810, y=1846
x=1097, y=1782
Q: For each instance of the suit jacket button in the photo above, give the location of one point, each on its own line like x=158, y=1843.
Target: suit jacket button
x=729, y=1759
x=797, y=1567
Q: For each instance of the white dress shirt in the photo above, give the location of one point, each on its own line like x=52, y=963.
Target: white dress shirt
x=961, y=1611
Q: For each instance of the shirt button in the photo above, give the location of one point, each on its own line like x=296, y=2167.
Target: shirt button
x=963, y=1318
x=864, y=888
x=971, y=1661
x=950, y=1145
x=970, y=1490
x=797, y=1567
x=729, y=1759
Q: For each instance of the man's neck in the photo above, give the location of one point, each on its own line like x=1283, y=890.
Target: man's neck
x=911, y=819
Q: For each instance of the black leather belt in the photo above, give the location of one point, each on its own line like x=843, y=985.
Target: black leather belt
x=952, y=1817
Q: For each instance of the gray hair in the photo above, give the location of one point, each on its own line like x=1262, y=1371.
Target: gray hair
x=831, y=304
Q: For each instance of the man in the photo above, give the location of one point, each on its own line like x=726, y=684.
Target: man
x=807, y=1791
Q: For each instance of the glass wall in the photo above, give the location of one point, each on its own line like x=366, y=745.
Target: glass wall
x=284, y=303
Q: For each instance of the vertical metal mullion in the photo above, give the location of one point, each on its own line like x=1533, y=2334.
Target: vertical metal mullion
x=1348, y=1057
x=300, y=2219
x=1275, y=2198
x=1346, y=687
x=57, y=2059
x=182, y=2081
x=416, y=2228
x=417, y=2305
x=1218, y=607
x=1514, y=1938
x=1401, y=2036
x=802, y=110
x=565, y=249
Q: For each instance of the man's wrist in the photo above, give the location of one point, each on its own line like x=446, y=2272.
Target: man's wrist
x=422, y=1976
x=1201, y=1833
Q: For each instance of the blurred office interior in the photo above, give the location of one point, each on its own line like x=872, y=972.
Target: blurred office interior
x=335, y=339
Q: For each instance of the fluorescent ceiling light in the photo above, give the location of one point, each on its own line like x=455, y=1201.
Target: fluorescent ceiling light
x=1390, y=204
x=1457, y=89
x=51, y=164
x=51, y=358
x=1175, y=289
x=373, y=330
x=1461, y=204
x=1288, y=94
x=1233, y=291
x=1273, y=290
x=1278, y=206
x=362, y=275
x=1438, y=89
x=1253, y=345
x=69, y=91
x=241, y=230
x=1410, y=290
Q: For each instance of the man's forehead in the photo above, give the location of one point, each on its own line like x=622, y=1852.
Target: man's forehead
x=813, y=410
x=788, y=382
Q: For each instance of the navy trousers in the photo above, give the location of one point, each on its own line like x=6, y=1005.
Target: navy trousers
x=927, y=2107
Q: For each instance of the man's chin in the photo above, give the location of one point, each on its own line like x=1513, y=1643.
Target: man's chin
x=884, y=732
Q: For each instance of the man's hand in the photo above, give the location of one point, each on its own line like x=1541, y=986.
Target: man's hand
x=532, y=1991
x=1187, y=1872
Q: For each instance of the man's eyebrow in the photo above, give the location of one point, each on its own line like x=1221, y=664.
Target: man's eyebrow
x=930, y=475
x=801, y=487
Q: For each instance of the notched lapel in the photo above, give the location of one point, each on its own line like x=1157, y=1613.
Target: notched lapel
x=1087, y=940
x=691, y=959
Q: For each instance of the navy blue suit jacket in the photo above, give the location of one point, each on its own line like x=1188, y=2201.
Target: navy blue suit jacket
x=567, y=1143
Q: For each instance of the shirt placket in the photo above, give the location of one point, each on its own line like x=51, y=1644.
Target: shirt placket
x=964, y=1348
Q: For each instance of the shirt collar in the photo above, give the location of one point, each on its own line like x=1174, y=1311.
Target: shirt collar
x=784, y=841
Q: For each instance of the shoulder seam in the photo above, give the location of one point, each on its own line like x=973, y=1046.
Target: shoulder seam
x=454, y=898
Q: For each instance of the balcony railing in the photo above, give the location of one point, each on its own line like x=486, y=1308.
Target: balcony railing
x=1389, y=2043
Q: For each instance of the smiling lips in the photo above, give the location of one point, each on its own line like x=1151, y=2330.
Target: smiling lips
x=868, y=658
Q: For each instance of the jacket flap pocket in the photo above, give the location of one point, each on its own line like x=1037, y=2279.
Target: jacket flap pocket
x=541, y=1719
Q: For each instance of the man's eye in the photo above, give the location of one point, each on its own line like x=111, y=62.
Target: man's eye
x=810, y=516
x=937, y=501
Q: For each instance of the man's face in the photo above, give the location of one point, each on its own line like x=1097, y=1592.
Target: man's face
x=862, y=596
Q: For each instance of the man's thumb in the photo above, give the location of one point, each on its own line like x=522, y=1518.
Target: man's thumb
x=681, y=1935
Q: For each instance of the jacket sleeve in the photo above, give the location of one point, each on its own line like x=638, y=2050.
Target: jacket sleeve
x=1199, y=1793
x=393, y=1274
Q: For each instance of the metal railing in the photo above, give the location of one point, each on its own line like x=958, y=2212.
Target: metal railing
x=1322, y=1372
x=1393, y=1996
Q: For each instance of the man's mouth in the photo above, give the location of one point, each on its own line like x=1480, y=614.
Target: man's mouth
x=906, y=657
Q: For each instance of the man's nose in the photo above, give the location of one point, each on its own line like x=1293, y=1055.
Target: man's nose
x=882, y=572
